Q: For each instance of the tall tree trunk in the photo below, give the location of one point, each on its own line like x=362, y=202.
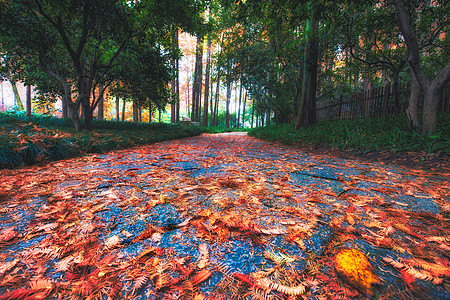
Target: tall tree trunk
x=253, y=109
x=198, y=78
x=177, y=82
x=84, y=95
x=175, y=106
x=100, y=106
x=243, y=109
x=239, y=106
x=432, y=90
x=216, y=104
x=29, y=100
x=117, y=108
x=206, y=97
x=412, y=112
x=227, y=111
x=307, y=113
x=65, y=108
x=135, y=111
x=123, y=110
x=211, y=101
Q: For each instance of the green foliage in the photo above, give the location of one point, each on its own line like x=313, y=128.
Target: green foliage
x=221, y=129
x=389, y=133
x=29, y=140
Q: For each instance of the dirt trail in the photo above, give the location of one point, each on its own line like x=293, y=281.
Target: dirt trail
x=224, y=216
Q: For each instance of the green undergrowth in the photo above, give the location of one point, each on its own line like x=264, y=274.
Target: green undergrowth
x=220, y=129
x=376, y=134
x=27, y=141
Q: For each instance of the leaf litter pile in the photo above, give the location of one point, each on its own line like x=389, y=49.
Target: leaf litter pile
x=223, y=217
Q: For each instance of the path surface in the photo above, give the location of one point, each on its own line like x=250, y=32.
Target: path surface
x=224, y=217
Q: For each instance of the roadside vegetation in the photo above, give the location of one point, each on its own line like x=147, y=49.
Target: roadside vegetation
x=30, y=140
x=364, y=135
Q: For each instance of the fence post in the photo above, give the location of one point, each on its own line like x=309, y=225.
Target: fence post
x=340, y=107
x=387, y=90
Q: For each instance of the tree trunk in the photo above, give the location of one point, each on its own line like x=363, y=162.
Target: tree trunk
x=29, y=100
x=227, y=111
x=123, y=110
x=74, y=112
x=100, y=107
x=135, y=111
x=206, y=97
x=198, y=78
x=412, y=111
x=239, y=106
x=253, y=109
x=117, y=108
x=175, y=107
x=243, y=110
x=433, y=89
x=17, y=96
x=211, y=101
x=83, y=95
x=216, y=104
x=307, y=113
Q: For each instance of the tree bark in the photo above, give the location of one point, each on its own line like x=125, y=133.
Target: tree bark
x=17, y=96
x=123, y=110
x=216, y=102
x=307, y=114
x=100, y=107
x=135, y=111
x=29, y=100
x=239, y=106
x=198, y=78
x=117, y=108
x=412, y=112
x=206, y=97
x=175, y=107
x=243, y=110
x=227, y=110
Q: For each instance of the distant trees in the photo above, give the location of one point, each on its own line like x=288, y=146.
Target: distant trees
x=82, y=45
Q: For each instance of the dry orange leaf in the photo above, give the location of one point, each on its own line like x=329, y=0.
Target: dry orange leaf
x=353, y=266
x=350, y=219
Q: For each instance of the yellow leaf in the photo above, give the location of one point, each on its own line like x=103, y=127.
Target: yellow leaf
x=353, y=266
x=350, y=220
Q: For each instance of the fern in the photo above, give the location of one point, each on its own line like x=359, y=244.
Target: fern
x=436, y=269
x=423, y=275
x=279, y=258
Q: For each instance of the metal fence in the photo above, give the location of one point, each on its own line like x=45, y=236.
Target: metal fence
x=373, y=103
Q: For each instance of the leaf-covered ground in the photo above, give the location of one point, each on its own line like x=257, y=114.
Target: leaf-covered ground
x=225, y=217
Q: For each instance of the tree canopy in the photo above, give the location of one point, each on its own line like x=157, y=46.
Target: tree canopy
x=285, y=54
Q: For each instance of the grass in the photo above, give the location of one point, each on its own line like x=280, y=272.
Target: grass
x=29, y=140
x=220, y=129
x=388, y=133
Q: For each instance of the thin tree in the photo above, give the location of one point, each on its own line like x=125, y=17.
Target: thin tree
x=207, y=75
x=227, y=110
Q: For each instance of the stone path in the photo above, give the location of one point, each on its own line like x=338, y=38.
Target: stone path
x=220, y=216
